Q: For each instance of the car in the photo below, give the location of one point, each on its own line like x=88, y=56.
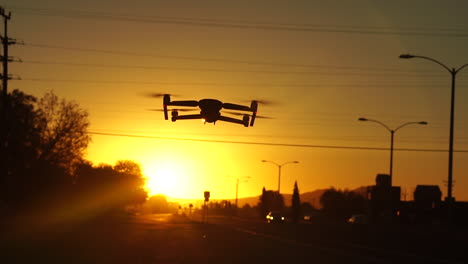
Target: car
x=358, y=219
x=275, y=217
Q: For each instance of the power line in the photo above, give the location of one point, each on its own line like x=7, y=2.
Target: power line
x=349, y=138
x=87, y=12
x=233, y=61
x=152, y=55
x=52, y=80
x=268, y=144
x=247, y=24
x=97, y=13
x=239, y=71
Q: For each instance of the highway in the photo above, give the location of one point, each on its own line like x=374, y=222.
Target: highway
x=166, y=238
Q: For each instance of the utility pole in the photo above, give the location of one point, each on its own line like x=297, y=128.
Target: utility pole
x=5, y=59
x=6, y=42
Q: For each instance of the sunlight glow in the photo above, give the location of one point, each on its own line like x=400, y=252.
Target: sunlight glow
x=164, y=178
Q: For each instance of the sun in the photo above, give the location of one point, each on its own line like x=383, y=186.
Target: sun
x=163, y=179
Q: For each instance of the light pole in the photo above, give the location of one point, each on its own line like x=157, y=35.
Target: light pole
x=453, y=73
x=279, y=169
x=392, y=133
x=241, y=179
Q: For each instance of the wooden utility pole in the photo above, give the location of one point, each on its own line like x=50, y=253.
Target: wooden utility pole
x=5, y=59
x=6, y=42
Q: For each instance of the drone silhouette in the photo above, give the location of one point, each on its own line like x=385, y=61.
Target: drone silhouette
x=210, y=110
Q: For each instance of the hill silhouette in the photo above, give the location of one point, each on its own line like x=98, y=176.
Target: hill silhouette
x=312, y=197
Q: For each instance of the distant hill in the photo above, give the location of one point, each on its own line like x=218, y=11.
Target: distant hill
x=312, y=197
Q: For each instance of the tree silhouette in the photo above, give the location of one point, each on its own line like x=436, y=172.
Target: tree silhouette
x=63, y=131
x=106, y=188
x=44, y=140
x=133, y=181
x=333, y=203
x=22, y=137
x=342, y=204
x=296, y=204
x=270, y=201
x=157, y=204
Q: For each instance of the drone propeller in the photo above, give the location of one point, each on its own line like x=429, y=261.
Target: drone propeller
x=264, y=117
x=263, y=102
x=179, y=110
x=242, y=114
x=156, y=95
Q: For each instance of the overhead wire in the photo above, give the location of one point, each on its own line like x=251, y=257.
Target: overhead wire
x=77, y=12
x=236, y=70
x=270, y=143
x=202, y=59
x=347, y=138
x=223, y=60
x=245, y=24
x=52, y=80
x=217, y=20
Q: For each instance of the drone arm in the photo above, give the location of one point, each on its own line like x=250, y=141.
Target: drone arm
x=236, y=107
x=197, y=116
x=184, y=103
x=165, y=112
x=253, y=107
x=233, y=120
x=166, y=101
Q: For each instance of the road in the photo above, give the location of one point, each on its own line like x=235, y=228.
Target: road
x=175, y=239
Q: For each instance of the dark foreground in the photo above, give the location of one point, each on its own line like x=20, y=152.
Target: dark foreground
x=177, y=239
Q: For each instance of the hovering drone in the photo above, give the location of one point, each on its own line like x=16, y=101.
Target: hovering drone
x=210, y=110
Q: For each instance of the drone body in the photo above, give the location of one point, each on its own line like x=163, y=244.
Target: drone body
x=210, y=111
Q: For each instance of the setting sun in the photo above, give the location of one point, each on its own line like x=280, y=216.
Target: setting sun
x=163, y=178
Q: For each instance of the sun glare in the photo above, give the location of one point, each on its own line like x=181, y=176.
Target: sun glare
x=163, y=179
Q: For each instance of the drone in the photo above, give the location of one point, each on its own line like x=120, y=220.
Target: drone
x=210, y=110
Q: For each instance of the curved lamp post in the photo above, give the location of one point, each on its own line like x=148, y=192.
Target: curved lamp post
x=392, y=133
x=279, y=169
x=241, y=179
x=453, y=72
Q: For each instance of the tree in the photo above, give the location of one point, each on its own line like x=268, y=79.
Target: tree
x=63, y=131
x=332, y=201
x=44, y=140
x=21, y=134
x=157, y=204
x=270, y=201
x=133, y=181
x=296, y=204
x=129, y=167
x=109, y=188
x=342, y=204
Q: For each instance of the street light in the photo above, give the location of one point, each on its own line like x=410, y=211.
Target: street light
x=279, y=169
x=453, y=72
x=392, y=132
x=244, y=179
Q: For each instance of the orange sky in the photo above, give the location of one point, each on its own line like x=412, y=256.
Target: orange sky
x=343, y=65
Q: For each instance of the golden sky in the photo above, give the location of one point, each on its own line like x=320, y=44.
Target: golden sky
x=324, y=64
